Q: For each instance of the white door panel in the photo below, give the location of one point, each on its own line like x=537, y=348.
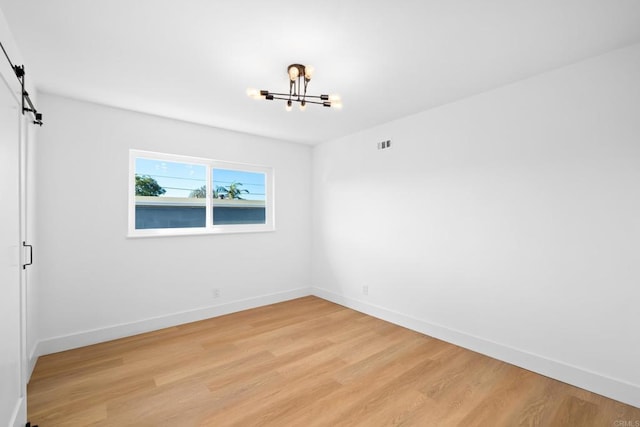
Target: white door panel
x=11, y=389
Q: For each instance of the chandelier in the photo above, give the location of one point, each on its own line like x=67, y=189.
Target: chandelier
x=299, y=77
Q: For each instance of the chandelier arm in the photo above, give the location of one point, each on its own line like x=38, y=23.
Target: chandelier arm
x=299, y=101
x=316, y=96
x=314, y=102
x=284, y=97
x=277, y=94
x=322, y=97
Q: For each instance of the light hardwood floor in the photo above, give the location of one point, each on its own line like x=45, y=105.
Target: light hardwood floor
x=306, y=362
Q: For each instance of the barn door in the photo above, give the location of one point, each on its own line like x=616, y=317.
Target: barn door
x=12, y=381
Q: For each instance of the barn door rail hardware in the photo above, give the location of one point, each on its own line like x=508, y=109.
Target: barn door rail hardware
x=27, y=104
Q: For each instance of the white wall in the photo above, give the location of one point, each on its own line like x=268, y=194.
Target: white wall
x=97, y=284
x=508, y=222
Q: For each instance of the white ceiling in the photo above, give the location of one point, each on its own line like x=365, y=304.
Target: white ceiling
x=194, y=59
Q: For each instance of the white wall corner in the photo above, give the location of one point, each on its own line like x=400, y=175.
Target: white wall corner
x=610, y=387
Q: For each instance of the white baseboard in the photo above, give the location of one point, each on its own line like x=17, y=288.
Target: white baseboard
x=95, y=336
x=19, y=414
x=610, y=387
x=33, y=358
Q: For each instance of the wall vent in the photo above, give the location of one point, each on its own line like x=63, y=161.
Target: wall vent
x=384, y=144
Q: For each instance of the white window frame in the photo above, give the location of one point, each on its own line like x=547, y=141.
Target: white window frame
x=209, y=227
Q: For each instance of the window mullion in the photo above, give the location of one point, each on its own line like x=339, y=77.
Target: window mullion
x=209, y=207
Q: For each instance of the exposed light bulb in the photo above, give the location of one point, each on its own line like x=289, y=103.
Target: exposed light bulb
x=303, y=106
x=308, y=72
x=253, y=93
x=293, y=73
x=334, y=97
x=336, y=104
x=288, y=107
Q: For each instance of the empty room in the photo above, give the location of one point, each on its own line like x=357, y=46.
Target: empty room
x=337, y=213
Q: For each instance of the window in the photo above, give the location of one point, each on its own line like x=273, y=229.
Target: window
x=177, y=195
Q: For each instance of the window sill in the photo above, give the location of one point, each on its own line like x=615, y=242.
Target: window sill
x=175, y=232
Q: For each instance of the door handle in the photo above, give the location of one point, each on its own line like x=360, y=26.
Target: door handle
x=24, y=245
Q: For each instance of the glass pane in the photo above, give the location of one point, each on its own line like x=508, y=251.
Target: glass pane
x=170, y=194
x=238, y=197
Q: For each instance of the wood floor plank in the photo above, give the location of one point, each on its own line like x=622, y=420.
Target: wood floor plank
x=306, y=362
x=316, y=413
x=367, y=407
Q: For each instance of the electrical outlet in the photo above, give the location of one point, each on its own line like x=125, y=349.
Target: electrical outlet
x=216, y=293
x=365, y=290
